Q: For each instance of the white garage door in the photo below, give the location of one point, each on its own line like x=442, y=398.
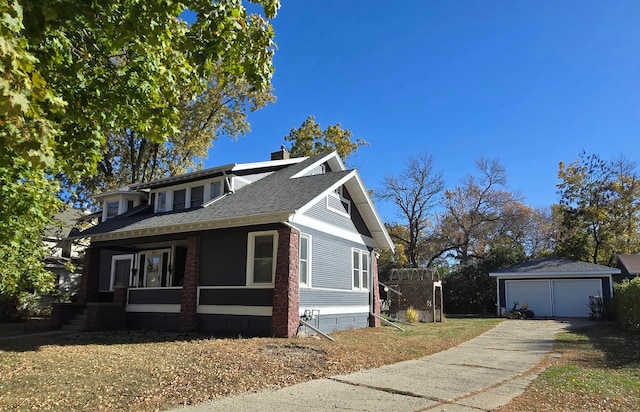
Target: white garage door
x=535, y=293
x=571, y=297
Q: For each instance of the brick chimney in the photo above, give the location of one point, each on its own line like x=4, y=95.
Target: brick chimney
x=282, y=154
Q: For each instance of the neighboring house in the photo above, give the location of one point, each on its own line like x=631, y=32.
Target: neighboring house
x=65, y=255
x=238, y=249
x=553, y=287
x=629, y=266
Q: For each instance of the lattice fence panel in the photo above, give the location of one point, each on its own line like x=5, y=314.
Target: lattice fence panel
x=418, y=294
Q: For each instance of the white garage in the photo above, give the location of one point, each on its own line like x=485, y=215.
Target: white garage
x=553, y=287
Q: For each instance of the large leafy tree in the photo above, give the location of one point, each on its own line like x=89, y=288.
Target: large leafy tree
x=599, y=209
x=481, y=212
x=310, y=139
x=129, y=157
x=76, y=72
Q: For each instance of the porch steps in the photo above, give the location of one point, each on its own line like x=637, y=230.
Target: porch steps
x=79, y=323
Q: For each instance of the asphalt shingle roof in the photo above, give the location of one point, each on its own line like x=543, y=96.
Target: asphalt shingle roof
x=555, y=265
x=277, y=193
x=629, y=263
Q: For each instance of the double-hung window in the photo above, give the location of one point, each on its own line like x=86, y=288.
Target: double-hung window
x=305, y=260
x=162, y=202
x=197, y=196
x=112, y=209
x=216, y=189
x=360, y=269
x=179, y=199
x=261, y=257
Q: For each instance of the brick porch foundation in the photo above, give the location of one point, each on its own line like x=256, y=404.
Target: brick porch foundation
x=285, y=317
x=189, y=299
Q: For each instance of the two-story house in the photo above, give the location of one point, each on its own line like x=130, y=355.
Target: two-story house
x=237, y=249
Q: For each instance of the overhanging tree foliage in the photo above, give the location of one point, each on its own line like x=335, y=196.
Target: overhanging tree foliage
x=76, y=72
x=129, y=157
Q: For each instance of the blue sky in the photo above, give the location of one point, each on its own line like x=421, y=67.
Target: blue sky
x=531, y=83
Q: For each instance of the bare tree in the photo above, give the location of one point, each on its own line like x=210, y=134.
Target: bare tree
x=479, y=212
x=416, y=192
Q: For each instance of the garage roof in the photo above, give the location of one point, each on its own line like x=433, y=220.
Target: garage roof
x=554, y=266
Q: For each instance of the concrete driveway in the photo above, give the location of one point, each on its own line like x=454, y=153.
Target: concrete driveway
x=479, y=375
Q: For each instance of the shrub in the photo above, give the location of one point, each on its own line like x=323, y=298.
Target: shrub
x=9, y=308
x=626, y=303
x=411, y=315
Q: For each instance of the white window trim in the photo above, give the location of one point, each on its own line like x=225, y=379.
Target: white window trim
x=112, y=278
x=141, y=272
x=360, y=253
x=206, y=195
x=121, y=200
x=168, y=201
x=307, y=284
x=338, y=194
x=250, y=257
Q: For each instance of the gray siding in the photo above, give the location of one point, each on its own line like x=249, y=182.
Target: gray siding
x=165, y=322
x=333, y=323
x=243, y=297
x=223, y=255
x=319, y=211
x=311, y=298
x=223, y=258
x=331, y=260
x=355, y=223
x=234, y=325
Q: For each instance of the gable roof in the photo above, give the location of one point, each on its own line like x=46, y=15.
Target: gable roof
x=63, y=223
x=554, y=266
x=272, y=199
x=629, y=264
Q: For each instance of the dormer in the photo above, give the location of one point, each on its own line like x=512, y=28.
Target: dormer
x=119, y=201
x=188, y=195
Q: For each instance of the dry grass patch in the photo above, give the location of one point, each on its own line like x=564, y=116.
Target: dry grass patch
x=599, y=370
x=150, y=371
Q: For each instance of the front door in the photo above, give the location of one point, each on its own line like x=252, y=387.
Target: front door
x=153, y=269
x=121, y=266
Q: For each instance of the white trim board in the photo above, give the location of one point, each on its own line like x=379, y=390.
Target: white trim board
x=155, y=308
x=336, y=310
x=235, y=310
x=333, y=230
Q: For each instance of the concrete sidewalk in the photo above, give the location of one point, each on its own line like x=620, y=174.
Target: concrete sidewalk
x=479, y=375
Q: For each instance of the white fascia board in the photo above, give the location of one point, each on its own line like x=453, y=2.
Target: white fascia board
x=167, y=181
x=328, y=190
x=322, y=226
x=520, y=275
x=335, y=310
x=118, y=192
x=362, y=200
x=370, y=214
x=332, y=158
x=259, y=165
